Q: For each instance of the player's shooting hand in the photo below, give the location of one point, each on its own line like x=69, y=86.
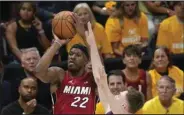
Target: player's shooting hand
x=30, y=105
x=61, y=41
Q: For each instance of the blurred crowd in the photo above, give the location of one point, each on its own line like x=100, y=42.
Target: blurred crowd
x=155, y=28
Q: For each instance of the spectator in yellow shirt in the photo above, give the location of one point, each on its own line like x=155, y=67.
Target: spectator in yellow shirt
x=171, y=31
x=164, y=103
x=116, y=82
x=127, y=26
x=85, y=14
x=162, y=65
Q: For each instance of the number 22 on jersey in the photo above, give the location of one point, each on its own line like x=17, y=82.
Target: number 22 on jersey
x=80, y=102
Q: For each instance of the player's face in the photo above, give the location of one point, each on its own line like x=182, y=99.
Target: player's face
x=165, y=90
x=131, y=61
x=116, y=84
x=180, y=9
x=76, y=59
x=28, y=89
x=30, y=60
x=160, y=60
x=129, y=8
x=26, y=11
x=84, y=15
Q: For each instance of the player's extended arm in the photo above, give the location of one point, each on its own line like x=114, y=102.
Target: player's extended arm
x=100, y=76
x=43, y=72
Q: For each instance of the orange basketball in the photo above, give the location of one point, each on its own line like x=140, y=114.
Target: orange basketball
x=63, y=25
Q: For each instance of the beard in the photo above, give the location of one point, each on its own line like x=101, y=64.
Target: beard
x=27, y=98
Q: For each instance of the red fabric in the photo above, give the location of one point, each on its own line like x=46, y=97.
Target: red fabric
x=141, y=80
x=76, y=95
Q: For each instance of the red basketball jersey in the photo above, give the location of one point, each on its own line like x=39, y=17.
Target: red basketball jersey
x=76, y=95
x=140, y=83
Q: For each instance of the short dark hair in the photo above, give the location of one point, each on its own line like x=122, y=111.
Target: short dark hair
x=83, y=48
x=34, y=79
x=135, y=99
x=117, y=73
x=132, y=50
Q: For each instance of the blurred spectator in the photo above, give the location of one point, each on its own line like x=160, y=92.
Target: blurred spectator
x=127, y=26
x=26, y=31
x=14, y=74
x=102, y=10
x=26, y=104
x=162, y=65
x=171, y=31
x=134, y=76
x=85, y=14
x=182, y=96
x=116, y=82
x=5, y=89
x=156, y=11
x=164, y=103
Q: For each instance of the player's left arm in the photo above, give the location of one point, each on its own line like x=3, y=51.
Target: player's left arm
x=149, y=86
x=100, y=76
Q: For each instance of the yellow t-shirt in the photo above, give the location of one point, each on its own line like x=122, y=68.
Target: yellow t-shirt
x=154, y=106
x=103, y=44
x=175, y=73
x=126, y=32
x=99, y=108
x=171, y=35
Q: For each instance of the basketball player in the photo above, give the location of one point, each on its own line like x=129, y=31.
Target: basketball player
x=127, y=102
x=76, y=88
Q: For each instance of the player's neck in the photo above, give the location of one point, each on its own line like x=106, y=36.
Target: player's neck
x=77, y=73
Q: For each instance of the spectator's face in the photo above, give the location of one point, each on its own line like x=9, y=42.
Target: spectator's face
x=30, y=60
x=83, y=15
x=28, y=89
x=165, y=89
x=129, y=8
x=76, y=59
x=26, y=12
x=160, y=60
x=116, y=84
x=179, y=8
x=131, y=61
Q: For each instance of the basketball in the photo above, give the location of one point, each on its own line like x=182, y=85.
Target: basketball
x=63, y=25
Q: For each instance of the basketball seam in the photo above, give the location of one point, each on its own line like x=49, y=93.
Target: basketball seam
x=55, y=24
x=69, y=28
x=61, y=27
